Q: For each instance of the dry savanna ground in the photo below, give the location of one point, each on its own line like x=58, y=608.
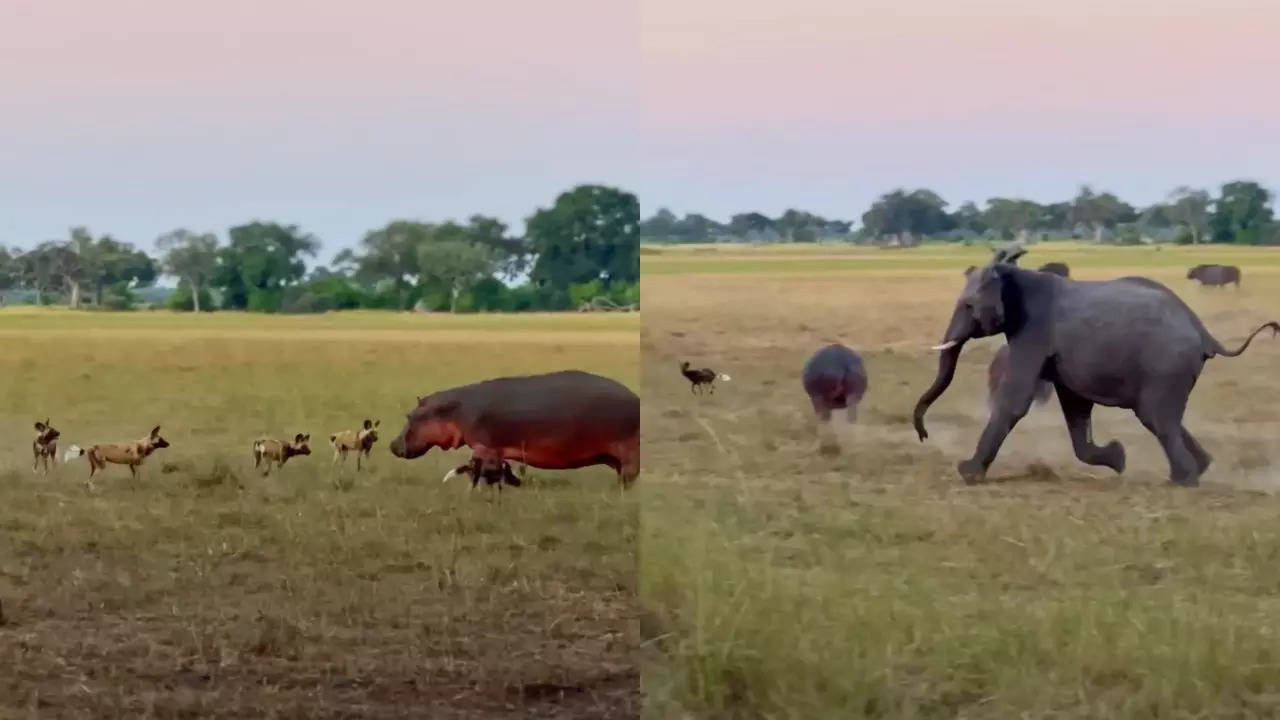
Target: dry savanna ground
x=778, y=581
x=202, y=589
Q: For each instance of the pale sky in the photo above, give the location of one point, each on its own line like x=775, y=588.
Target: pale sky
x=138, y=116
x=135, y=117
x=825, y=104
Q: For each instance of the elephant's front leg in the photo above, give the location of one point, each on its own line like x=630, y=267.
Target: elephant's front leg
x=1078, y=413
x=1012, y=400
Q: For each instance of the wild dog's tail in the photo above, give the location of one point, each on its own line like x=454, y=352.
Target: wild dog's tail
x=72, y=453
x=257, y=451
x=725, y=378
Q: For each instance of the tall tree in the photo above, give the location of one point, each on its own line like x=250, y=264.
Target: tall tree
x=37, y=268
x=915, y=214
x=111, y=263
x=1100, y=211
x=1241, y=214
x=1189, y=208
x=10, y=274
x=456, y=262
x=969, y=218
x=659, y=227
x=190, y=256
x=1012, y=217
x=745, y=224
x=591, y=233
x=259, y=261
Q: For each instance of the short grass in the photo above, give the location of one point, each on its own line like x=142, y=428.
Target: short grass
x=205, y=590
x=781, y=582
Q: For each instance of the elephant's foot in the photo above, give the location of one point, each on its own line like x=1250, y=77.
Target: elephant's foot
x=1193, y=481
x=1114, y=456
x=971, y=471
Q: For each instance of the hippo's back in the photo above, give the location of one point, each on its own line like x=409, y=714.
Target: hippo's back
x=558, y=405
x=834, y=368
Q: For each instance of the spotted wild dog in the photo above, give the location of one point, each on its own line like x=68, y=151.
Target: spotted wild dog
x=45, y=447
x=267, y=450
x=698, y=377
x=492, y=470
x=129, y=453
x=359, y=441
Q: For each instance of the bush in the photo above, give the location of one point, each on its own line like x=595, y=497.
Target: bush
x=180, y=299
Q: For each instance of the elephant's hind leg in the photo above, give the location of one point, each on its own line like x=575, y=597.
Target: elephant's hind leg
x=1079, y=416
x=1203, y=459
x=1160, y=411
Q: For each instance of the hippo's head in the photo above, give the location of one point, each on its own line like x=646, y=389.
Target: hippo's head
x=432, y=424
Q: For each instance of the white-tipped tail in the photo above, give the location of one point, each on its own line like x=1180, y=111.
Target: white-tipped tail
x=725, y=378
x=449, y=475
x=946, y=345
x=72, y=453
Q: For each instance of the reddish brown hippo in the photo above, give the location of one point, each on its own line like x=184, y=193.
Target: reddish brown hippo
x=555, y=421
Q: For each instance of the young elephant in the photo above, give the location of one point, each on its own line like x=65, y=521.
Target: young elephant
x=45, y=446
x=267, y=450
x=130, y=453
x=359, y=441
x=1128, y=343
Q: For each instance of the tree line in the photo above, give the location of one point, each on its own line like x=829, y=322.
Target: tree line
x=1241, y=212
x=583, y=250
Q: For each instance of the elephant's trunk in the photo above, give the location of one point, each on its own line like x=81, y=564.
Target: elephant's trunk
x=959, y=331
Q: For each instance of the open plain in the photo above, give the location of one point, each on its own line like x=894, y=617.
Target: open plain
x=780, y=581
x=202, y=589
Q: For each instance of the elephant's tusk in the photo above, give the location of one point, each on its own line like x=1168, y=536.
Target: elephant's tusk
x=946, y=345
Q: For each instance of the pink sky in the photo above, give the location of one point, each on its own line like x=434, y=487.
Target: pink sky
x=825, y=104
x=135, y=116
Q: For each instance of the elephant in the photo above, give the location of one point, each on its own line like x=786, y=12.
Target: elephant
x=1000, y=362
x=1129, y=343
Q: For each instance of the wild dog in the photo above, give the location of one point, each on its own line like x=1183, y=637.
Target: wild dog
x=45, y=447
x=131, y=453
x=698, y=377
x=492, y=470
x=267, y=451
x=359, y=441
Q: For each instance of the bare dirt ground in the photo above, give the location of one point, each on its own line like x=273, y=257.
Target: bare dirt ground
x=784, y=582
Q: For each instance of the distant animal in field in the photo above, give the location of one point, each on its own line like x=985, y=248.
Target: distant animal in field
x=358, y=441
x=267, y=451
x=493, y=471
x=698, y=377
x=1129, y=343
x=1057, y=268
x=127, y=453
x=1215, y=275
x=554, y=421
x=834, y=378
x=45, y=446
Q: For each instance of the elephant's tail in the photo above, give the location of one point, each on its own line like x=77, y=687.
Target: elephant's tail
x=1219, y=350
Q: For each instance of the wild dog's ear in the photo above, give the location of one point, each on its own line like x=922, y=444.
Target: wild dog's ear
x=376, y=423
x=40, y=426
x=298, y=438
x=306, y=437
x=367, y=424
x=155, y=431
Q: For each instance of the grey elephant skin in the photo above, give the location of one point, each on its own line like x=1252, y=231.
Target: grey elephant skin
x=1000, y=362
x=1129, y=343
x=1215, y=275
x=834, y=378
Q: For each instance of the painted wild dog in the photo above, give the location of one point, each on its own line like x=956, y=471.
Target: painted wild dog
x=45, y=447
x=267, y=450
x=493, y=471
x=698, y=377
x=358, y=441
x=129, y=453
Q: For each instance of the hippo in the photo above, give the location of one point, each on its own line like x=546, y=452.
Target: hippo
x=1211, y=275
x=835, y=379
x=553, y=421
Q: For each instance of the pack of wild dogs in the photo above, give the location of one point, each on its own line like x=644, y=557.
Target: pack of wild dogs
x=1129, y=343
x=556, y=421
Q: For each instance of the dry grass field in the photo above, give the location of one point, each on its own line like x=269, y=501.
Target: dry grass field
x=781, y=582
x=205, y=590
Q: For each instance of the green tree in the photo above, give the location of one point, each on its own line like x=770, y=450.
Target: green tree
x=909, y=215
x=117, y=265
x=455, y=262
x=1190, y=209
x=259, y=262
x=969, y=218
x=1100, y=211
x=38, y=268
x=192, y=258
x=10, y=272
x=591, y=232
x=1012, y=217
x=1241, y=214
x=659, y=227
x=745, y=224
